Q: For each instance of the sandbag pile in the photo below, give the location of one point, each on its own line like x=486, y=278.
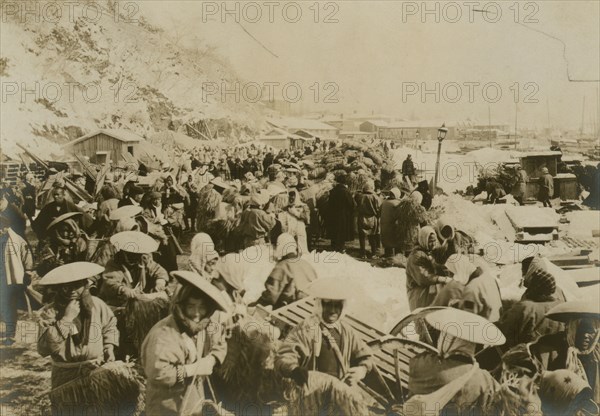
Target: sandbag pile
x=351, y=156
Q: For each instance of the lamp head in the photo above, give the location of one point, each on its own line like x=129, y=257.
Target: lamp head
x=442, y=131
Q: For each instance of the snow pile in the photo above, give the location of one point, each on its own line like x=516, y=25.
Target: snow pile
x=475, y=220
x=380, y=300
x=582, y=224
x=488, y=156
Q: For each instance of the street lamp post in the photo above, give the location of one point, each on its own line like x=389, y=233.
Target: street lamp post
x=442, y=131
x=417, y=139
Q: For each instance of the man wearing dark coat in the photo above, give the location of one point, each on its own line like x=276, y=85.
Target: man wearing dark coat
x=408, y=170
x=340, y=215
x=52, y=210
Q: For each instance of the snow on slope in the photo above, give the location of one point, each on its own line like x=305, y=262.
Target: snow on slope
x=66, y=77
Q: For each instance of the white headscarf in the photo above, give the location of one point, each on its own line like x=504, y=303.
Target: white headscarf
x=461, y=267
x=203, y=251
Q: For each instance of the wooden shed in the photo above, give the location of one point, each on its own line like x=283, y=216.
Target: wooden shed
x=533, y=163
x=106, y=144
x=281, y=139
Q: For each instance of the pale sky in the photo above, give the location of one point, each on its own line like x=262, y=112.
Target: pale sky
x=379, y=49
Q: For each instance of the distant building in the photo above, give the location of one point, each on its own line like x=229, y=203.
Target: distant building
x=373, y=126
x=355, y=135
x=360, y=118
x=281, y=139
x=315, y=128
x=107, y=144
x=407, y=130
x=340, y=122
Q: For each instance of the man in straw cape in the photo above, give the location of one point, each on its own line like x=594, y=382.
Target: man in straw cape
x=324, y=342
x=450, y=381
x=181, y=350
x=78, y=330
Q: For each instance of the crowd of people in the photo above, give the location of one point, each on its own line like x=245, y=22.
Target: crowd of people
x=113, y=265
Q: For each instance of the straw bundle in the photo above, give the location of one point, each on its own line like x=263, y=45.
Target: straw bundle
x=140, y=317
x=247, y=374
x=357, y=182
x=326, y=395
x=208, y=203
x=317, y=173
x=315, y=191
x=223, y=234
x=113, y=388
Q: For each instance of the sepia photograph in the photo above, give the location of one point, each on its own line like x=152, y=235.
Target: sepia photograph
x=299, y=208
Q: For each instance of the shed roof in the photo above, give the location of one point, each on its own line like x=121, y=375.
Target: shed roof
x=293, y=123
x=540, y=154
x=377, y=123
x=119, y=134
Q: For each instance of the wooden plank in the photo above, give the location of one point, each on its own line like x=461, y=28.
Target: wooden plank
x=567, y=260
x=586, y=276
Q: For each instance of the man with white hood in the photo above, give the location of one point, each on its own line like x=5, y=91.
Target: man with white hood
x=324, y=342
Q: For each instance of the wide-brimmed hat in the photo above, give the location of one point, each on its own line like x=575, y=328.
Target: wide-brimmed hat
x=559, y=388
x=332, y=288
x=275, y=189
x=466, y=326
x=134, y=242
x=576, y=309
x=199, y=282
x=259, y=198
x=86, y=206
x=127, y=211
x=63, y=217
x=219, y=182
x=72, y=272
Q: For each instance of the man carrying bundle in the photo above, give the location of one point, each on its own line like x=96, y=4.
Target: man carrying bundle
x=69, y=330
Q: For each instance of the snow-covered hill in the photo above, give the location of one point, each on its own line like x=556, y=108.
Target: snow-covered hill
x=69, y=68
